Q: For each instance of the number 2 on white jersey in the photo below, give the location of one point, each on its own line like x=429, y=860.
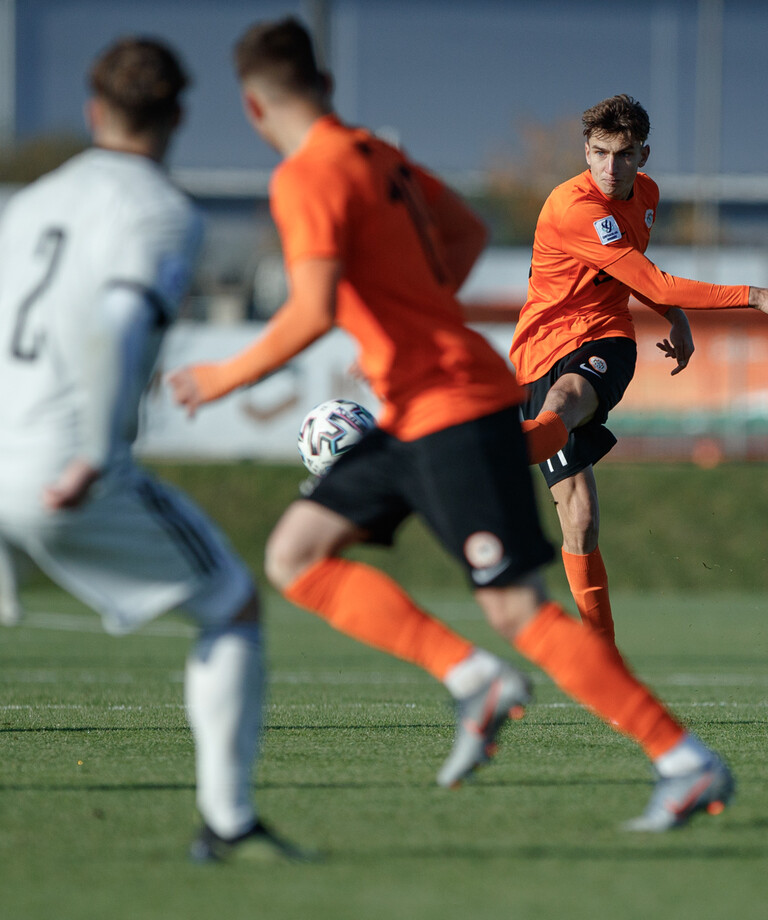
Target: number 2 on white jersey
x=48, y=250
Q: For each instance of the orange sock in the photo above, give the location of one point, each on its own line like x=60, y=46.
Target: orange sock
x=367, y=605
x=588, y=581
x=587, y=668
x=545, y=435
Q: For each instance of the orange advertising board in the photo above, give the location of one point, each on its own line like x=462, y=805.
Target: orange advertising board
x=727, y=374
x=716, y=408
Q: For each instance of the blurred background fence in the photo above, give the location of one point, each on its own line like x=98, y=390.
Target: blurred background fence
x=489, y=94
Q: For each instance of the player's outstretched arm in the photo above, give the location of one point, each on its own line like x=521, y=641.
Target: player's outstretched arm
x=307, y=314
x=639, y=274
x=679, y=345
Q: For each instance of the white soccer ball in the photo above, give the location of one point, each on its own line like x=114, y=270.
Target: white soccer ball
x=329, y=430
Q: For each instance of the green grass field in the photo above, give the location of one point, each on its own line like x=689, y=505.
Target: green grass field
x=97, y=787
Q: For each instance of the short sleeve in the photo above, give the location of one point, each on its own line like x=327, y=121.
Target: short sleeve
x=311, y=213
x=592, y=235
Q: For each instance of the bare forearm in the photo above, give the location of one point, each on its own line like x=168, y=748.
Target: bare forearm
x=758, y=298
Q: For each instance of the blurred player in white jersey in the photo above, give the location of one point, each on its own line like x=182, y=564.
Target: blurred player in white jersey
x=95, y=258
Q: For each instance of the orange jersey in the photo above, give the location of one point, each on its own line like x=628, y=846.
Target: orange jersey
x=347, y=195
x=571, y=299
x=587, y=259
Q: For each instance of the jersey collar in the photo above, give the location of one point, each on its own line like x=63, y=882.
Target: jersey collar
x=322, y=126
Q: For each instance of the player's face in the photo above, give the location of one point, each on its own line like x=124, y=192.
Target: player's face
x=614, y=160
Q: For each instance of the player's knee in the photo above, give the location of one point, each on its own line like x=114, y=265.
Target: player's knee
x=276, y=564
x=506, y=621
x=304, y=535
x=285, y=559
x=573, y=399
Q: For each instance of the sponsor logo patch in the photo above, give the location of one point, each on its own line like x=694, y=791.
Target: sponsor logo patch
x=607, y=230
x=649, y=218
x=483, y=550
x=595, y=365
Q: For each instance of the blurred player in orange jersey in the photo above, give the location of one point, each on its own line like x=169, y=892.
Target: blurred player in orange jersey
x=574, y=345
x=378, y=246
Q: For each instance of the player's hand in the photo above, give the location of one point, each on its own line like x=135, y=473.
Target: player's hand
x=679, y=346
x=185, y=389
x=72, y=487
x=670, y=351
x=758, y=298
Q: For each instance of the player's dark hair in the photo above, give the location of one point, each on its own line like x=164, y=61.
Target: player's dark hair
x=282, y=52
x=141, y=78
x=618, y=115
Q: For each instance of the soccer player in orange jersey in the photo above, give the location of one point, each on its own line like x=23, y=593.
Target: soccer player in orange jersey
x=574, y=345
x=377, y=246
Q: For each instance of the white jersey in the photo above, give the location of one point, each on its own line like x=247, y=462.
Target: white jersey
x=103, y=220
x=94, y=260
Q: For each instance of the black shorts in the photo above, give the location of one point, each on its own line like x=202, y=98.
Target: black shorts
x=470, y=483
x=609, y=365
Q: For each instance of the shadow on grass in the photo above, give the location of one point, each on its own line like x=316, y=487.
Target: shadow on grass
x=340, y=785
x=340, y=726
x=96, y=787
x=536, y=853
x=42, y=729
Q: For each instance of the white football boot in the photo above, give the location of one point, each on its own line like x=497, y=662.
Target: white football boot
x=478, y=720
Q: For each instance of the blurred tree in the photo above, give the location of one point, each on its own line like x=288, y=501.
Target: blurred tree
x=676, y=225
x=516, y=188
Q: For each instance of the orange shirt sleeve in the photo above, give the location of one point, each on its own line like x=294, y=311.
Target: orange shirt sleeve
x=290, y=331
x=661, y=308
x=591, y=236
x=642, y=276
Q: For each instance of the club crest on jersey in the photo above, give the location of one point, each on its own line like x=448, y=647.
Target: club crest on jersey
x=607, y=230
x=483, y=549
x=598, y=364
x=649, y=218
